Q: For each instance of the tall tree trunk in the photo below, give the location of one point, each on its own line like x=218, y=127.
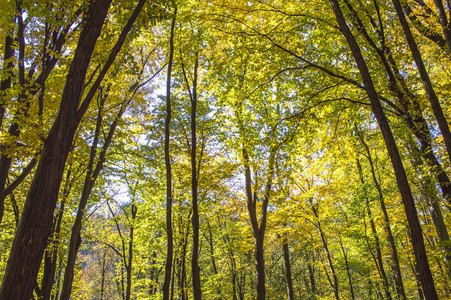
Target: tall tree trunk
x=37, y=216
x=167, y=159
x=323, y=238
x=128, y=292
x=444, y=22
x=258, y=231
x=197, y=292
x=435, y=104
x=433, y=206
x=427, y=281
x=311, y=272
x=93, y=172
x=394, y=252
x=286, y=259
x=348, y=271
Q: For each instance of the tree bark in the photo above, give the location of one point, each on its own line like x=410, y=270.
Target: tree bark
x=170, y=242
x=394, y=252
x=37, y=216
x=7, y=67
x=348, y=271
x=197, y=292
x=427, y=281
x=435, y=104
x=91, y=176
x=258, y=230
x=286, y=259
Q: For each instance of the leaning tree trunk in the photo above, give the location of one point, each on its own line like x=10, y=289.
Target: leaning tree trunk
x=37, y=216
x=432, y=96
x=427, y=281
x=394, y=252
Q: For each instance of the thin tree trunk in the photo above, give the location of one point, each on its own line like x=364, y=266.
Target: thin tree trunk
x=311, y=272
x=197, y=292
x=434, y=208
x=130, y=253
x=401, y=177
x=348, y=271
x=443, y=20
x=167, y=158
x=286, y=259
x=435, y=104
x=334, y=284
x=394, y=252
x=258, y=231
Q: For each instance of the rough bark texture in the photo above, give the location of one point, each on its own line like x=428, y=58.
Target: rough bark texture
x=37, y=217
x=424, y=271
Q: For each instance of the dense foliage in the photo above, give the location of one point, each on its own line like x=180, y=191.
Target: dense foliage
x=225, y=149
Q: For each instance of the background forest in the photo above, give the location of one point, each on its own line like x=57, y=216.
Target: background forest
x=225, y=149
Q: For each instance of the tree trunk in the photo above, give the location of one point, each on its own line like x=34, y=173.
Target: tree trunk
x=394, y=252
x=197, y=292
x=328, y=256
x=427, y=281
x=167, y=158
x=37, y=216
x=348, y=271
x=92, y=174
x=130, y=253
x=258, y=231
x=7, y=67
x=435, y=104
x=286, y=259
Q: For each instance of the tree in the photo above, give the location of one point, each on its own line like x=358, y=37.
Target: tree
x=36, y=218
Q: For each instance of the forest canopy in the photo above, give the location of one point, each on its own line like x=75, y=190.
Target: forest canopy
x=225, y=149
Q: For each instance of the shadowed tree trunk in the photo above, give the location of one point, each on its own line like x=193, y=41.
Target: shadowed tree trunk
x=195, y=270
x=435, y=104
x=334, y=281
x=286, y=259
x=167, y=159
x=37, y=216
x=258, y=230
x=424, y=270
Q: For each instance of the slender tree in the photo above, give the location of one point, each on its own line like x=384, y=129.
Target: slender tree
x=427, y=281
x=167, y=159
